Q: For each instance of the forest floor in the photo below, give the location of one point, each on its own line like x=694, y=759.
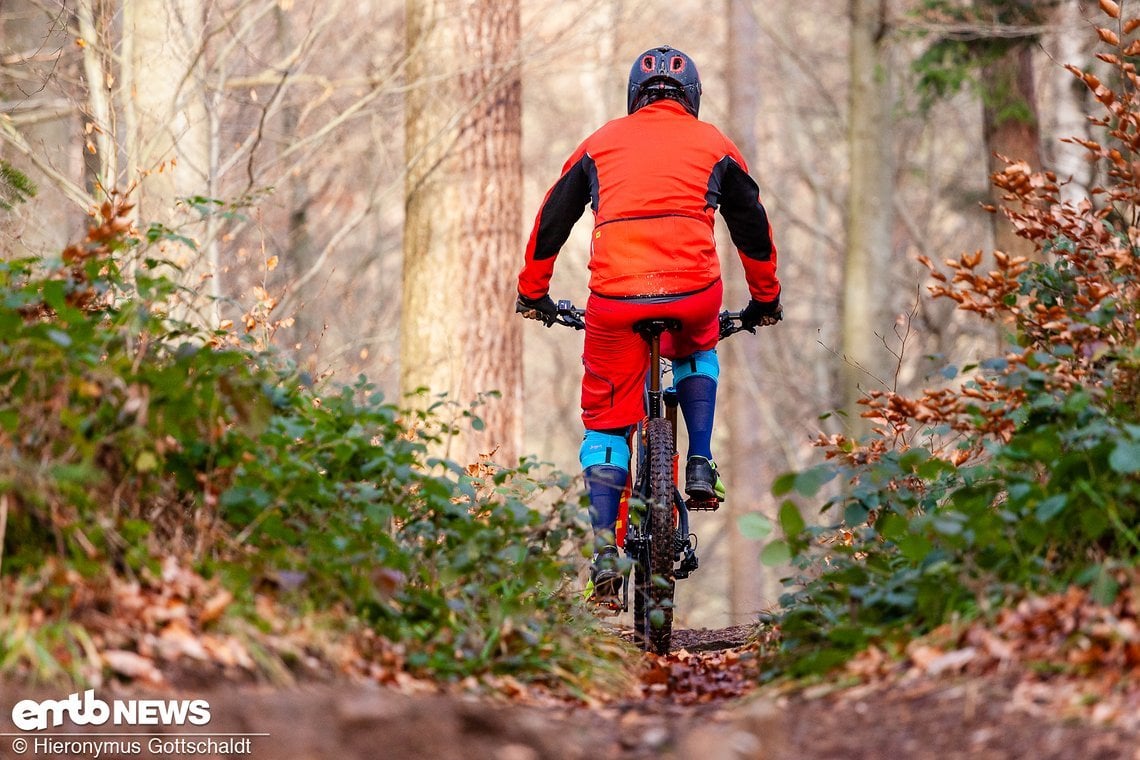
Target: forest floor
x=700, y=701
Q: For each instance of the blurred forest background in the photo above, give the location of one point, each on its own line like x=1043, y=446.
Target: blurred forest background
x=353, y=182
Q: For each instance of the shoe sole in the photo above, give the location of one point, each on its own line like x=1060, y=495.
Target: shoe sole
x=605, y=599
x=605, y=606
x=702, y=493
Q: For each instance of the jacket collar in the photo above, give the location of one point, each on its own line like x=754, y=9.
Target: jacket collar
x=662, y=105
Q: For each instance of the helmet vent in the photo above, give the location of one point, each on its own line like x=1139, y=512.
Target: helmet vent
x=676, y=63
x=647, y=64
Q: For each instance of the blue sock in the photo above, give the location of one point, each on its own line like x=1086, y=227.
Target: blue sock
x=696, y=395
x=605, y=485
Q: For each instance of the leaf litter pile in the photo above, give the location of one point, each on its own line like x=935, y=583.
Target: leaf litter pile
x=1062, y=655
x=696, y=678
x=1065, y=655
x=172, y=629
x=708, y=667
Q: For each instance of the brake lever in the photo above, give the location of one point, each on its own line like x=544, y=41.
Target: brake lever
x=569, y=316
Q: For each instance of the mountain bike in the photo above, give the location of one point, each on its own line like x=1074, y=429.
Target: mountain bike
x=653, y=523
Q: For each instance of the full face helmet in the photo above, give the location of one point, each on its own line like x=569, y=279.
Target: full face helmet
x=663, y=72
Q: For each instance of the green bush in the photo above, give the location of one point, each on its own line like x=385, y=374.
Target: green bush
x=914, y=540
x=128, y=436
x=1023, y=474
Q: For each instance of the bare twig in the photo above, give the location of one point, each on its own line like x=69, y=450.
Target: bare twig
x=903, y=339
x=11, y=136
x=852, y=363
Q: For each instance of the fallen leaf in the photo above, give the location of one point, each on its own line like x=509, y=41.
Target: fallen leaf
x=132, y=665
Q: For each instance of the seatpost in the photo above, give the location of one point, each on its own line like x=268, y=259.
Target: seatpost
x=655, y=375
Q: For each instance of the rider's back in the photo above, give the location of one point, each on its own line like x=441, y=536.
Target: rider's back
x=655, y=187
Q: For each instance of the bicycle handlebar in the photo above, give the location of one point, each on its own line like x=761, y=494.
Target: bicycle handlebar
x=731, y=323
x=571, y=316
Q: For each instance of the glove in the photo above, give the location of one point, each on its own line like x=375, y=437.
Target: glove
x=542, y=309
x=761, y=313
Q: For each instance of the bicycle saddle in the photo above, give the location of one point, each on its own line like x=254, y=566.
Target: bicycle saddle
x=651, y=327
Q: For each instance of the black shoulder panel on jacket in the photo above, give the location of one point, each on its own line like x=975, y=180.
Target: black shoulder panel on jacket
x=564, y=206
x=738, y=197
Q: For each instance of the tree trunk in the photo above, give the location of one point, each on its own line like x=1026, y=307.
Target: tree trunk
x=869, y=206
x=166, y=130
x=1010, y=130
x=300, y=251
x=101, y=153
x=462, y=233
x=748, y=584
x=1071, y=99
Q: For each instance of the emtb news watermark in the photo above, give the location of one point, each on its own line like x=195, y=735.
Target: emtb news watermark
x=44, y=725
x=89, y=710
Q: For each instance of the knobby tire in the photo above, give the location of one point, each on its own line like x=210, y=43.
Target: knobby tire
x=653, y=607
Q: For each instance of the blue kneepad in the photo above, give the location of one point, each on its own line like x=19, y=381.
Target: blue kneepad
x=602, y=447
x=704, y=363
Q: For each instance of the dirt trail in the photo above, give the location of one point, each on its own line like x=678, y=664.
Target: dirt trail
x=699, y=702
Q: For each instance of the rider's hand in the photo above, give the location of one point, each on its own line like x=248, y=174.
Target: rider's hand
x=761, y=313
x=542, y=309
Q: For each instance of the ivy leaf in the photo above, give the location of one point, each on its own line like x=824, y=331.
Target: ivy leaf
x=808, y=482
x=1125, y=458
x=754, y=526
x=1051, y=507
x=910, y=461
x=776, y=553
x=783, y=484
x=60, y=338
x=855, y=513
x=790, y=519
x=914, y=547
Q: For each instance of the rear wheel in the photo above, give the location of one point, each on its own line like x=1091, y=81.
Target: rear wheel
x=653, y=604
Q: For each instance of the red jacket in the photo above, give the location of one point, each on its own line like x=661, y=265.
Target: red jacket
x=653, y=180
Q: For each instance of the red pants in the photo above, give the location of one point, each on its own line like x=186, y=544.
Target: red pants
x=616, y=359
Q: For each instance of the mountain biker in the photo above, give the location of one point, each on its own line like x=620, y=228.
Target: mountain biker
x=653, y=180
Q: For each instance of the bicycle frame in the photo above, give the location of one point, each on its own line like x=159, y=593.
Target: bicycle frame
x=677, y=558
x=664, y=399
